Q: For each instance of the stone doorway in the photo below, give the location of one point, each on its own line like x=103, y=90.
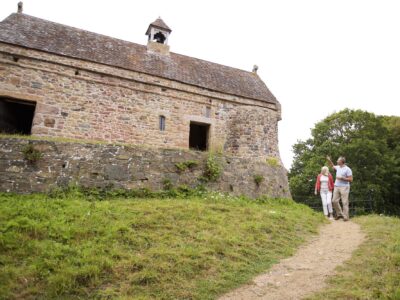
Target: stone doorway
x=16, y=116
x=198, y=136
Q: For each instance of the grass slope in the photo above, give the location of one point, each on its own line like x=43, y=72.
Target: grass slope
x=373, y=272
x=192, y=248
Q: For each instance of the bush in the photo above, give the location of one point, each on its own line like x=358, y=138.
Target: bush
x=258, y=179
x=167, y=184
x=31, y=154
x=213, y=169
x=272, y=162
x=183, y=166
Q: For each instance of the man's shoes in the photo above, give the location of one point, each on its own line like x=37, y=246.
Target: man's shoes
x=338, y=217
x=345, y=219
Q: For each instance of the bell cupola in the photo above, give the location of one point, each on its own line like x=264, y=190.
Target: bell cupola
x=158, y=33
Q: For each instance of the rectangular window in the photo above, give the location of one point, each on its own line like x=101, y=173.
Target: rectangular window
x=208, y=112
x=162, y=123
x=16, y=116
x=198, y=136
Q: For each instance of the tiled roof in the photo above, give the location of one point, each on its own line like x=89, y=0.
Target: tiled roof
x=34, y=33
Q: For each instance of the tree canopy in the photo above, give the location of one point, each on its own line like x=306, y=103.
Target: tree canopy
x=371, y=146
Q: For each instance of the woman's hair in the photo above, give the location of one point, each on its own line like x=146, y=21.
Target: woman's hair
x=325, y=170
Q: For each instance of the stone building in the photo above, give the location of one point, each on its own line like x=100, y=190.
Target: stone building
x=60, y=81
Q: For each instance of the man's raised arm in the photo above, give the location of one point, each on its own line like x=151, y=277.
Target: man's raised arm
x=330, y=162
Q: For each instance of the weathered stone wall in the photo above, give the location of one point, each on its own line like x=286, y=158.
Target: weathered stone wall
x=84, y=100
x=101, y=165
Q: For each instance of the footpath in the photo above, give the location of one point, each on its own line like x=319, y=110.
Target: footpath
x=305, y=273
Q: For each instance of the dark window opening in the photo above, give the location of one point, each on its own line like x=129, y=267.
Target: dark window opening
x=159, y=37
x=162, y=123
x=16, y=116
x=198, y=136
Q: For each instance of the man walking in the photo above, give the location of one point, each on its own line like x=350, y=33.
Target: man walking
x=344, y=176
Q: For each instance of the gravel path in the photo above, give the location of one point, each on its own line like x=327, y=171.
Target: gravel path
x=305, y=272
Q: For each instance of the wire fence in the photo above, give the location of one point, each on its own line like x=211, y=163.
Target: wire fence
x=358, y=205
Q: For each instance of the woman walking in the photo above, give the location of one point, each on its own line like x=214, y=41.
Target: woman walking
x=324, y=186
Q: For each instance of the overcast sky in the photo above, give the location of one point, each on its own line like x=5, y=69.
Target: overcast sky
x=316, y=56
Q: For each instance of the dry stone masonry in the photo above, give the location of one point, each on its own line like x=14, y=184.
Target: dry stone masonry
x=128, y=167
x=61, y=82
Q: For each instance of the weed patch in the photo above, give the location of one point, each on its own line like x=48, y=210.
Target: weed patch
x=31, y=154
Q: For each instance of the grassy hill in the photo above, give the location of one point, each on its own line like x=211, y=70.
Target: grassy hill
x=193, y=248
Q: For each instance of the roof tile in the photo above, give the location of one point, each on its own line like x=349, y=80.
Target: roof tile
x=34, y=33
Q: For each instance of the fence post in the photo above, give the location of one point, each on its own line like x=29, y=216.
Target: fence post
x=370, y=200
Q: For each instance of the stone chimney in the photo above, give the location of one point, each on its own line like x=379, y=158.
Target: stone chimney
x=20, y=7
x=158, y=33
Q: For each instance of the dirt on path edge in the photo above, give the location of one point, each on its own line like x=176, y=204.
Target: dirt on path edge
x=307, y=270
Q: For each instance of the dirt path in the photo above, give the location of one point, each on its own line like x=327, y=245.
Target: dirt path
x=305, y=272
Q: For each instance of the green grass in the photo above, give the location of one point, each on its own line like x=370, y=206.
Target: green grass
x=79, y=141
x=373, y=272
x=195, y=248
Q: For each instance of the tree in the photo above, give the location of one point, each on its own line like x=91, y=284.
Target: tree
x=371, y=146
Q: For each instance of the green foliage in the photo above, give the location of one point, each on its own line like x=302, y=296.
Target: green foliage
x=167, y=184
x=183, y=166
x=369, y=145
x=272, y=162
x=74, y=191
x=373, y=270
x=258, y=179
x=31, y=154
x=174, y=248
x=213, y=168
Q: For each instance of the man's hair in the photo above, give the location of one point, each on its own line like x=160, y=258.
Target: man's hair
x=342, y=158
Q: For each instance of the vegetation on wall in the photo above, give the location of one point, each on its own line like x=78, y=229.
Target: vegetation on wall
x=213, y=168
x=258, y=179
x=31, y=154
x=186, y=165
x=272, y=162
x=371, y=145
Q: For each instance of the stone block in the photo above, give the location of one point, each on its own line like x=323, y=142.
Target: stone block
x=116, y=172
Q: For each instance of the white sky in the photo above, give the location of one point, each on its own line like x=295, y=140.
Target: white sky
x=316, y=56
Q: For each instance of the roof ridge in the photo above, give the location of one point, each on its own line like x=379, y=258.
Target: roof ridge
x=52, y=37
x=121, y=40
x=71, y=27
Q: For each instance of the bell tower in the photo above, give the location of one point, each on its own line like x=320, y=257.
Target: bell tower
x=158, y=33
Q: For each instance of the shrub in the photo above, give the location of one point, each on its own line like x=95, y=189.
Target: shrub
x=183, y=166
x=31, y=154
x=213, y=169
x=272, y=162
x=258, y=179
x=167, y=184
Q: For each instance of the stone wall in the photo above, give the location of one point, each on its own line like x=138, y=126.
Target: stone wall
x=83, y=100
x=128, y=167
